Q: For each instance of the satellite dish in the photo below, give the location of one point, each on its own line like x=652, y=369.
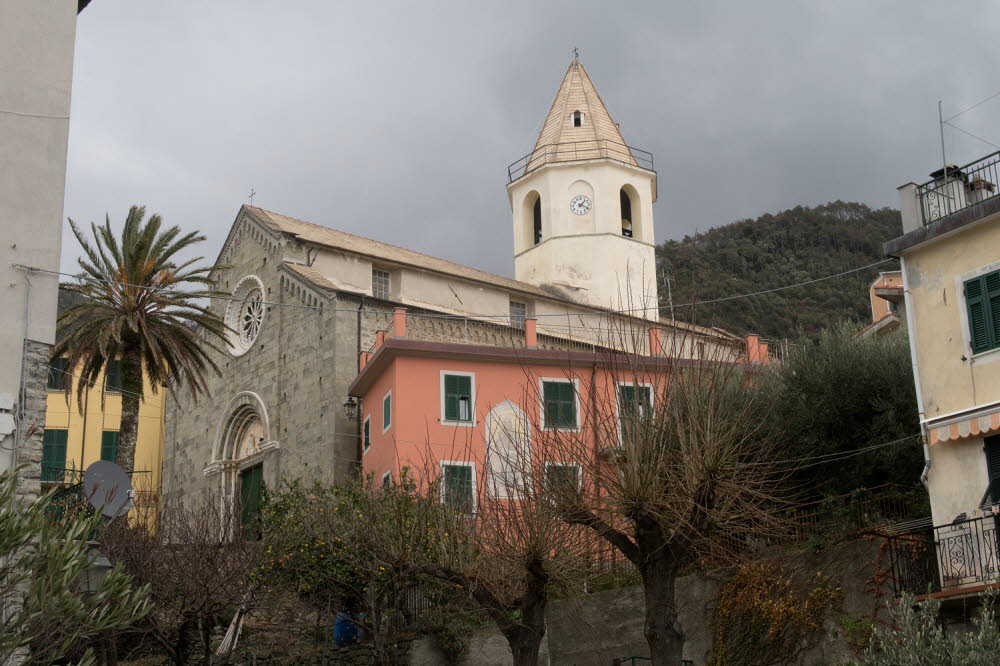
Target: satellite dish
x=108, y=488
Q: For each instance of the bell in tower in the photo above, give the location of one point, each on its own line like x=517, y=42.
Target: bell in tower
x=582, y=204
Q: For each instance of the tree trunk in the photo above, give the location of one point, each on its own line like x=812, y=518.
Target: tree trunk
x=131, y=369
x=525, y=637
x=665, y=641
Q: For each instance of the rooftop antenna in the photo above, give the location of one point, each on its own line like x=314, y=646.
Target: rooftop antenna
x=252, y=193
x=944, y=160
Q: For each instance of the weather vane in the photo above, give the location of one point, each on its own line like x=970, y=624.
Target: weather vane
x=251, y=195
x=576, y=52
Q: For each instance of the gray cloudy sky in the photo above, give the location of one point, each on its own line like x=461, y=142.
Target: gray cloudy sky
x=397, y=120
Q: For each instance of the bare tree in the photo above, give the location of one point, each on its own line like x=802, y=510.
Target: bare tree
x=678, y=471
x=378, y=545
x=197, y=567
x=505, y=546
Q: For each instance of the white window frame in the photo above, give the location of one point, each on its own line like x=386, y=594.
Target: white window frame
x=963, y=313
x=388, y=284
x=559, y=463
x=366, y=445
x=576, y=403
x=472, y=398
x=461, y=463
x=387, y=396
x=388, y=473
x=519, y=323
x=618, y=402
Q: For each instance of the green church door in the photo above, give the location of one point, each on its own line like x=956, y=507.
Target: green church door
x=251, y=493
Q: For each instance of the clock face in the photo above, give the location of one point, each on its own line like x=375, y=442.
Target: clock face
x=580, y=204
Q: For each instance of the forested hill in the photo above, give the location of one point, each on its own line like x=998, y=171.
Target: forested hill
x=789, y=247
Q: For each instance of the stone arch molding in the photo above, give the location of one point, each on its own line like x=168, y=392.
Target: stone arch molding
x=242, y=438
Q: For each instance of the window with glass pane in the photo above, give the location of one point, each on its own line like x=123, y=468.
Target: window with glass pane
x=113, y=380
x=380, y=284
x=386, y=411
x=458, y=491
x=518, y=313
x=982, y=299
x=560, y=404
x=53, y=454
x=109, y=445
x=458, y=398
x=366, y=434
x=57, y=374
x=634, y=404
x=561, y=479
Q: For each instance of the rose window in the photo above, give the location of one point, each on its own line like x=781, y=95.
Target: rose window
x=245, y=315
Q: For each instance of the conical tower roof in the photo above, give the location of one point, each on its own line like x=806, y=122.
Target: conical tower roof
x=597, y=135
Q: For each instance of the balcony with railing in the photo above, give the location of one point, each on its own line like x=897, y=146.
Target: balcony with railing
x=955, y=188
x=954, y=559
x=579, y=150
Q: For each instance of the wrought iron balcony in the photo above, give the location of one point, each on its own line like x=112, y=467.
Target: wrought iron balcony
x=956, y=188
x=947, y=558
x=579, y=150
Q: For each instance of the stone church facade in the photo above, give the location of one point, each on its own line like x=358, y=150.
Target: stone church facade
x=304, y=300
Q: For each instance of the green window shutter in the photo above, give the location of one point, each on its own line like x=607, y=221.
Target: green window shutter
x=568, y=399
x=458, y=491
x=457, y=388
x=53, y=454
x=109, y=445
x=560, y=479
x=560, y=404
x=386, y=411
x=57, y=374
x=367, y=433
x=982, y=298
x=113, y=380
x=992, y=284
x=251, y=493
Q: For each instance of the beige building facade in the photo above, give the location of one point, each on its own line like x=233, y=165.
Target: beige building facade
x=950, y=261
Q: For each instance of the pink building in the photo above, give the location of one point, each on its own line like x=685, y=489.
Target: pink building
x=463, y=411
x=886, y=298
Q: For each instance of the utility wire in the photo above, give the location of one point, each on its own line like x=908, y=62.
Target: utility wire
x=971, y=134
x=500, y=315
x=982, y=101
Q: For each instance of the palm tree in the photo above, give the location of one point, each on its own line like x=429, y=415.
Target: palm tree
x=143, y=307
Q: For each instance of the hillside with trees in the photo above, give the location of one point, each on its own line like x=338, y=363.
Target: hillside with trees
x=771, y=251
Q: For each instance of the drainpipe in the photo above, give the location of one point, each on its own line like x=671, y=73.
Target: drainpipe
x=358, y=421
x=911, y=333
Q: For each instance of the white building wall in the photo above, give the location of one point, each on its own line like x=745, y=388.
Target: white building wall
x=36, y=68
x=957, y=478
x=586, y=257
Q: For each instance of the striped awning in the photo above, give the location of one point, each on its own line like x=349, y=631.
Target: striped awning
x=979, y=423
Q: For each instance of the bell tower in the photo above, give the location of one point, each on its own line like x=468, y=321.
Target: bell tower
x=582, y=204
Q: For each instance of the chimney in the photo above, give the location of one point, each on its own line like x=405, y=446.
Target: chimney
x=530, y=333
x=364, y=357
x=656, y=342
x=399, y=323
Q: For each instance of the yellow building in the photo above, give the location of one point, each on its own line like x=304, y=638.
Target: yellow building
x=950, y=259
x=75, y=437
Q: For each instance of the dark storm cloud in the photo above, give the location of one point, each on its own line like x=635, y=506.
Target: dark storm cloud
x=397, y=120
